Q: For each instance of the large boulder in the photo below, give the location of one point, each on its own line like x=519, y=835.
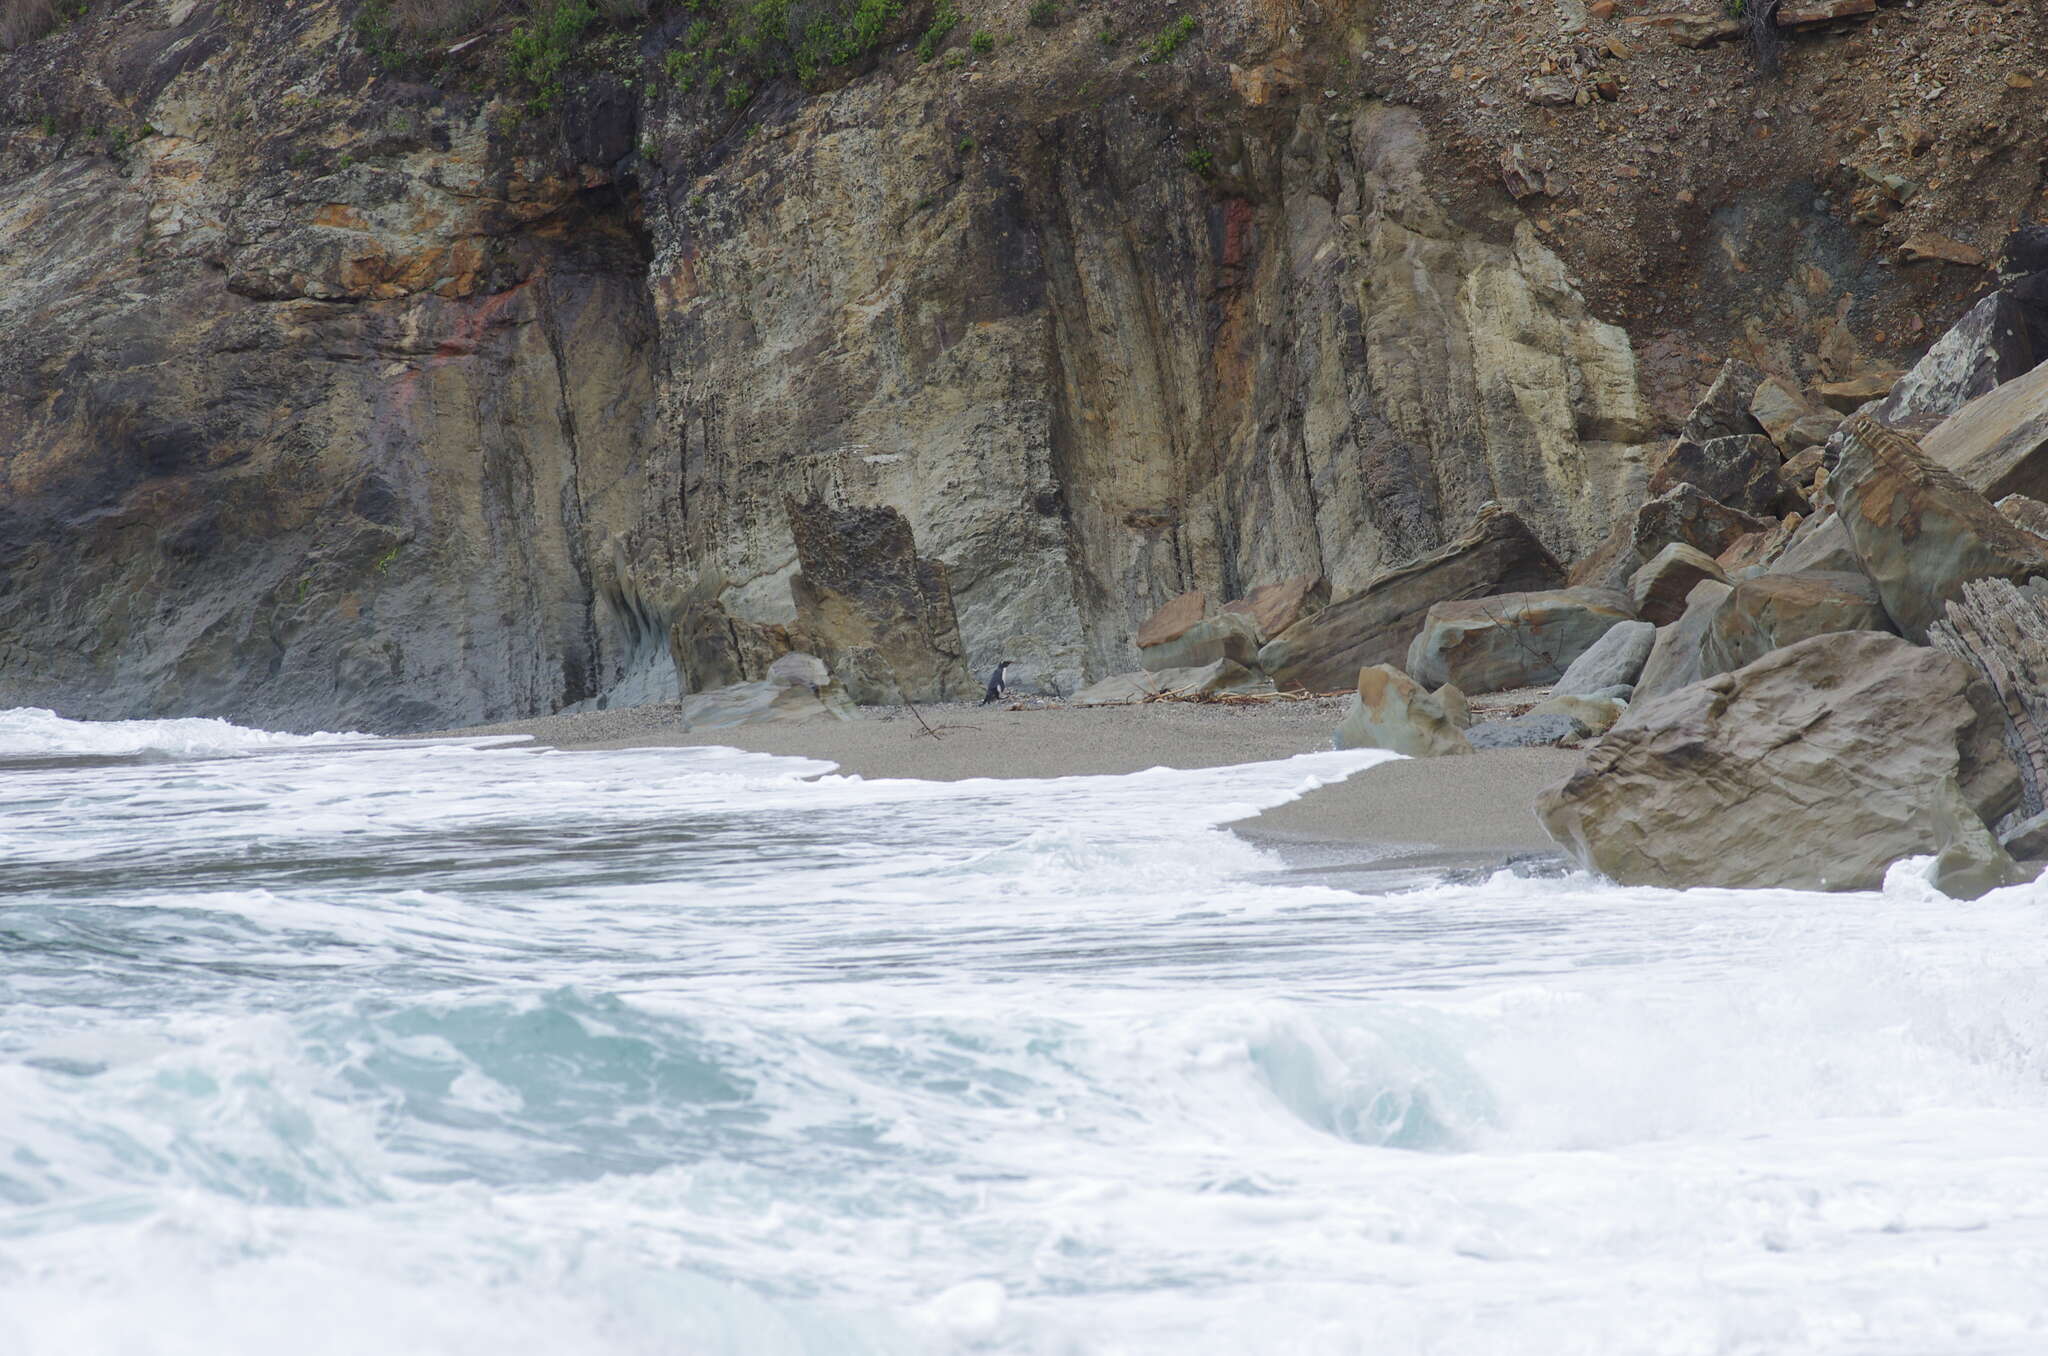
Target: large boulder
x=1610, y=564
x=1596, y=714
x=1998, y=443
x=1218, y=677
x=2026, y=513
x=1819, y=544
x=1659, y=589
x=1688, y=514
x=1792, y=421
x=1772, y=611
x=876, y=612
x=1814, y=768
x=1741, y=472
x=1614, y=660
x=1227, y=635
x=1723, y=412
x=1173, y=619
x=1920, y=533
x=767, y=702
x=1990, y=346
x=1275, y=607
x=1390, y=710
x=1674, y=660
x=1325, y=651
x=1513, y=640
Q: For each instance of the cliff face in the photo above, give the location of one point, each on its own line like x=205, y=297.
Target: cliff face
x=338, y=396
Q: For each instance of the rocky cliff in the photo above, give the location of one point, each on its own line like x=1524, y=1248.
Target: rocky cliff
x=353, y=376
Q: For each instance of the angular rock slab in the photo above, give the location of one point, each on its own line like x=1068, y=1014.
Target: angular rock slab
x=1723, y=412
x=1688, y=514
x=1221, y=676
x=1741, y=472
x=1772, y=611
x=1325, y=651
x=1173, y=619
x=1660, y=588
x=1227, y=635
x=1614, y=660
x=1814, y=768
x=1918, y=531
x=1390, y=710
x=1674, y=660
x=1819, y=544
x=1514, y=639
x=1998, y=443
x=764, y=703
x=1275, y=607
x=1987, y=348
x=1597, y=714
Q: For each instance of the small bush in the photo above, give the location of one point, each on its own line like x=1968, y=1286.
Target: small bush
x=983, y=42
x=1171, y=38
x=1044, y=13
x=945, y=18
x=967, y=145
x=1202, y=161
x=1107, y=35
x=545, y=42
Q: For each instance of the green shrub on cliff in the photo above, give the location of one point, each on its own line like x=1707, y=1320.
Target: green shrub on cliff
x=1169, y=39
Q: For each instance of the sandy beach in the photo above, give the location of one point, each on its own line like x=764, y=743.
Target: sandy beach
x=1441, y=812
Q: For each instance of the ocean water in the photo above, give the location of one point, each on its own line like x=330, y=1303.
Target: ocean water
x=340, y=1045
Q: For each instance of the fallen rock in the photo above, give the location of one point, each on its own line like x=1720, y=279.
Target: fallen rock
x=1723, y=412
x=1173, y=619
x=1617, y=658
x=1809, y=431
x=799, y=670
x=1513, y=639
x=1989, y=346
x=1998, y=443
x=1922, y=247
x=1530, y=731
x=1609, y=565
x=1773, y=611
x=1687, y=30
x=2028, y=515
x=1659, y=589
x=2027, y=840
x=1674, y=660
x=1688, y=515
x=1452, y=699
x=1918, y=531
x=1227, y=635
x=1824, y=545
x=1739, y=471
x=879, y=615
x=1814, y=768
x=1753, y=552
x=1854, y=393
x=763, y=703
x=1390, y=710
x=1326, y=650
x=1596, y=714
x=1275, y=607
x=1799, y=469
x=1218, y=676
x=1783, y=409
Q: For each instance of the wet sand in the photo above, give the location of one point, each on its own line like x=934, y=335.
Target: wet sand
x=1419, y=813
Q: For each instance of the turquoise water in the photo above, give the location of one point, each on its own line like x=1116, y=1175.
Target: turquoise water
x=331, y=1044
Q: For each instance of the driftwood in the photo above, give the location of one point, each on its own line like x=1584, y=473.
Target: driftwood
x=2001, y=630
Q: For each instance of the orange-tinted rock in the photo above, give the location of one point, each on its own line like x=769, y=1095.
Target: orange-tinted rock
x=1172, y=621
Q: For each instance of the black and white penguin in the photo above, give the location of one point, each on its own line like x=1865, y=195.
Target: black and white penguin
x=995, y=684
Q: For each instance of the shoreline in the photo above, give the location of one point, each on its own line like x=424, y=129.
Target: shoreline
x=1412, y=816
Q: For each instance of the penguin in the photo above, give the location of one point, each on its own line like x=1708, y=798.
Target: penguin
x=995, y=683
